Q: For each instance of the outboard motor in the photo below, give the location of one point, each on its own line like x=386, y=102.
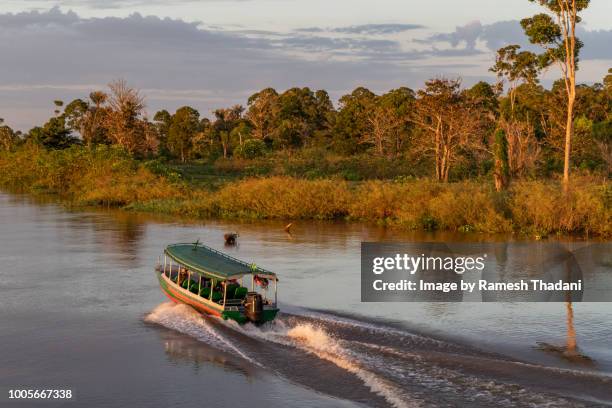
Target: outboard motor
x=253, y=307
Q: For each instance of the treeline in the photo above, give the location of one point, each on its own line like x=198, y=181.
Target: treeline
x=440, y=128
x=512, y=129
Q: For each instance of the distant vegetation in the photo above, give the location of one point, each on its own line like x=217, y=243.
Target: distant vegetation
x=108, y=176
x=493, y=157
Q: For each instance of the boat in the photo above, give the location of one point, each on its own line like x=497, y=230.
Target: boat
x=217, y=284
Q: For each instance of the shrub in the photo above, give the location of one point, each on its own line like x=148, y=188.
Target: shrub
x=542, y=207
x=251, y=149
x=283, y=197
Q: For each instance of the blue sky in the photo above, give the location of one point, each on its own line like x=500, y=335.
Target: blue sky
x=213, y=53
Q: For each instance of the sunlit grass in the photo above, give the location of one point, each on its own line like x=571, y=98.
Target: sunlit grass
x=108, y=177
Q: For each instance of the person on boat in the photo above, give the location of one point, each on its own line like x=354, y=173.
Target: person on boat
x=261, y=282
x=182, y=276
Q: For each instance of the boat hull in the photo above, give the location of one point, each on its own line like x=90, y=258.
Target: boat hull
x=205, y=306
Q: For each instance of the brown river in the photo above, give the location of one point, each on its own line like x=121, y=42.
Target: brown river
x=81, y=309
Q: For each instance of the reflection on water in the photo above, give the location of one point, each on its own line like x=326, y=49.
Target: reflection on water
x=570, y=351
x=76, y=287
x=184, y=349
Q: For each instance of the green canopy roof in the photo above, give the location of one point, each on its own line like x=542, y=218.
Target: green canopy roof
x=207, y=261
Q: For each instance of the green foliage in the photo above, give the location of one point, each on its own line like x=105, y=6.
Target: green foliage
x=8, y=137
x=103, y=175
x=515, y=66
x=251, y=149
x=351, y=121
x=602, y=131
x=160, y=168
x=54, y=134
x=552, y=31
x=608, y=81
x=184, y=125
x=502, y=168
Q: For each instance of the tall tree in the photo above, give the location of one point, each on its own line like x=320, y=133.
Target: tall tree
x=449, y=120
x=54, y=134
x=500, y=157
x=608, y=81
x=124, y=117
x=351, y=121
x=163, y=120
x=515, y=67
x=262, y=112
x=75, y=113
x=225, y=121
x=556, y=33
x=94, y=130
x=389, y=119
x=184, y=127
x=299, y=117
x=8, y=137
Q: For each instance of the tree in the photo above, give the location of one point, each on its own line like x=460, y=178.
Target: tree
x=602, y=134
x=205, y=141
x=124, y=118
x=225, y=121
x=500, y=153
x=608, y=81
x=75, y=113
x=87, y=117
x=450, y=121
x=54, y=134
x=300, y=116
x=162, y=121
x=556, y=33
x=351, y=121
x=8, y=137
x=58, y=106
x=94, y=131
x=262, y=112
x=185, y=124
x=389, y=119
x=515, y=68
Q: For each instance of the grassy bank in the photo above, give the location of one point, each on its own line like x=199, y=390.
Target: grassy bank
x=108, y=177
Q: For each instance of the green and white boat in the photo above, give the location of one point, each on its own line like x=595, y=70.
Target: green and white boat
x=217, y=284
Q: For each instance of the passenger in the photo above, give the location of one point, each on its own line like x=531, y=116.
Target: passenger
x=182, y=276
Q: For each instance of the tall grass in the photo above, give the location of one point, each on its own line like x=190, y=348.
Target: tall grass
x=108, y=177
x=543, y=207
x=102, y=176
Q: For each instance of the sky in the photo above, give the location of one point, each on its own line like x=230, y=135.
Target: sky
x=215, y=53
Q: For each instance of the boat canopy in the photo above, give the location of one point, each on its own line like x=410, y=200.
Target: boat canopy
x=212, y=263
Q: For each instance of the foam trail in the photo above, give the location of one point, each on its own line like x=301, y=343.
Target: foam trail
x=316, y=341
x=352, y=322
x=186, y=320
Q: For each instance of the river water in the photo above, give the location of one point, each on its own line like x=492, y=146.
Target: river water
x=80, y=309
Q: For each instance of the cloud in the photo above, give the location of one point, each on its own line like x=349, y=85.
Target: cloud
x=502, y=33
x=54, y=54
x=117, y=4
x=467, y=35
x=366, y=29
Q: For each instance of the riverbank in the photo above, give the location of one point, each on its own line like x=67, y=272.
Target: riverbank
x=108, y=177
